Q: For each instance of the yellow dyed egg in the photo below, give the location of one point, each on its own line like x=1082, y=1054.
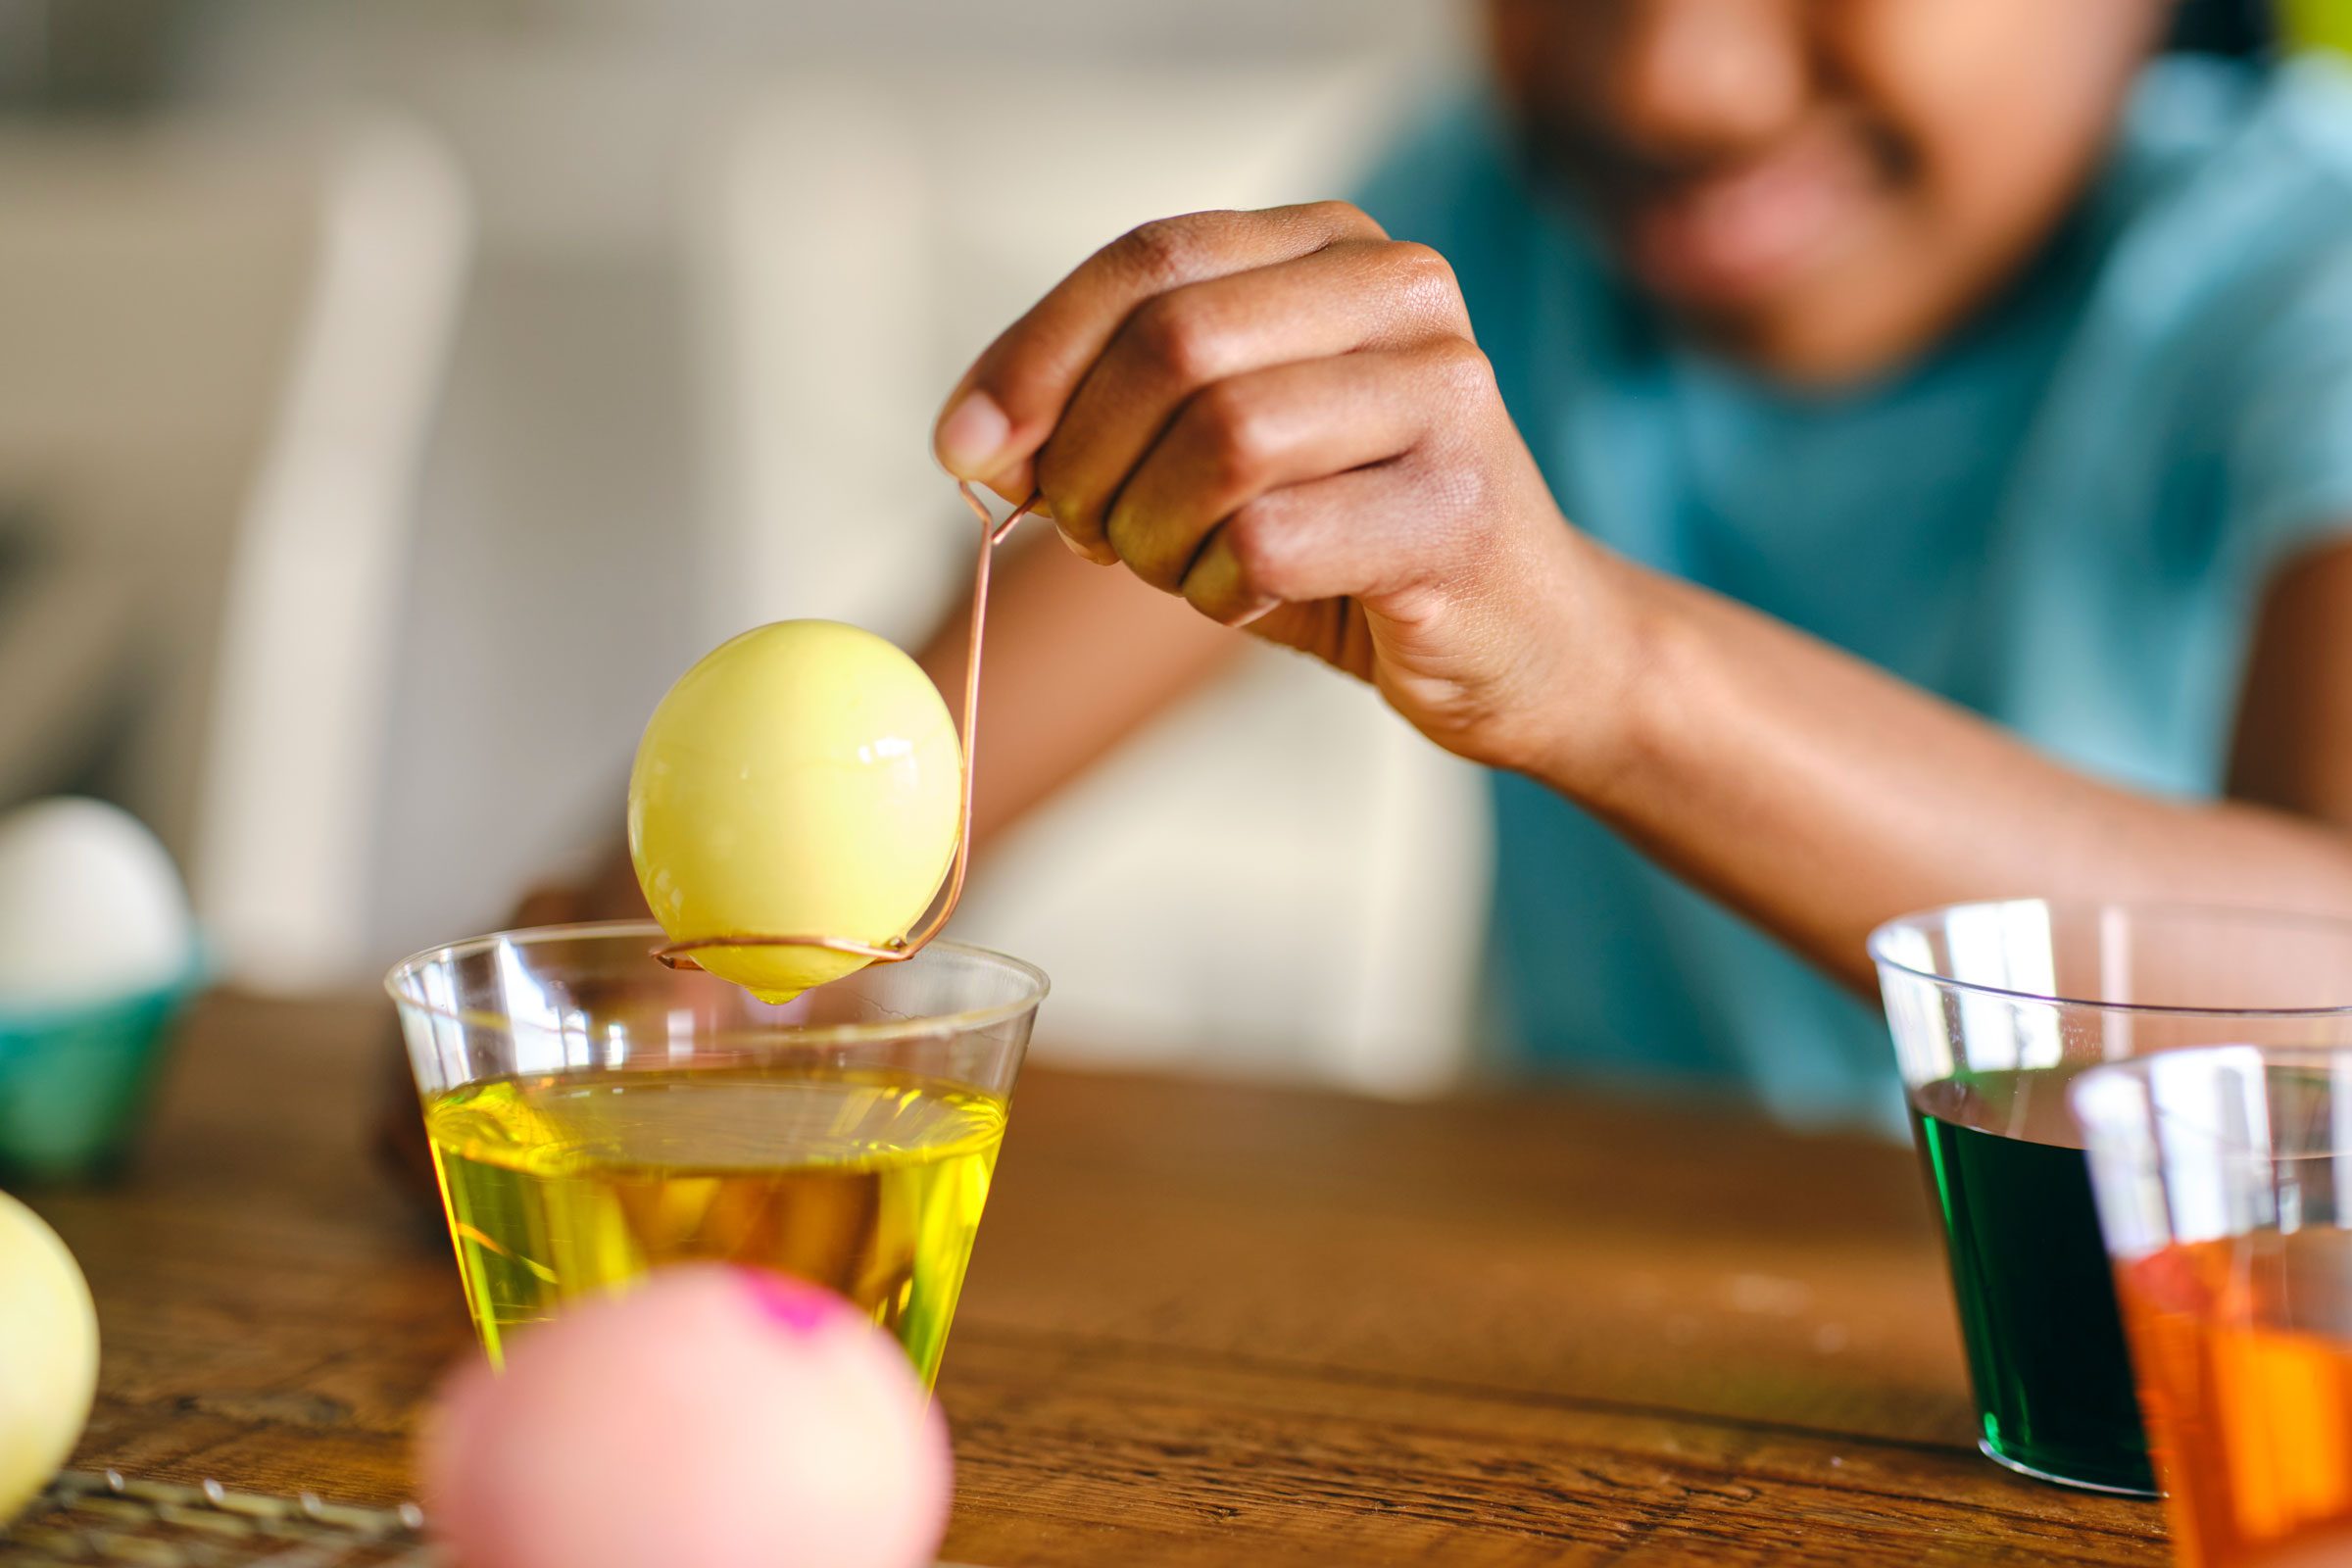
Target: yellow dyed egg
x=803, y=779
x=48, y=1354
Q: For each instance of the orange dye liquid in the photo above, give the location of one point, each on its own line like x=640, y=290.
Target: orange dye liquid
x=2243, y=1352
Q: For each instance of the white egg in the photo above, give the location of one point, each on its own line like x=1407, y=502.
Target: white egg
x=48, y=1354
x=90, y=905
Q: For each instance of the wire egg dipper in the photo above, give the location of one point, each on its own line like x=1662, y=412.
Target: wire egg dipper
x=895, y=844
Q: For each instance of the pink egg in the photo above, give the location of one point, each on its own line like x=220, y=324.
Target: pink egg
x=716, y=1418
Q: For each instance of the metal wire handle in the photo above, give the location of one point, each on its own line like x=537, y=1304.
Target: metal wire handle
x=993, y=531
x=84, y=1519
x=107, y=1517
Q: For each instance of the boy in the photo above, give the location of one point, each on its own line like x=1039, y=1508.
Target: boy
x=1829, y=456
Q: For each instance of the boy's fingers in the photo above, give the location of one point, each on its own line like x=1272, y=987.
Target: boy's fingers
x=1297, y=546
x=1347, y=296
x=1364, y=533
x=1251, y=435
x=1007, y=405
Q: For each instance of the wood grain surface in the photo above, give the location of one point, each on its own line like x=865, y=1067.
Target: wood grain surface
x=1206, y=1324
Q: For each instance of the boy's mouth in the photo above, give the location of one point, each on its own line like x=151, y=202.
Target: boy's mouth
x=1734, y=235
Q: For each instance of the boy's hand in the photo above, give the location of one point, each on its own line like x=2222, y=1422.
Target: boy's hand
x=1284, y=418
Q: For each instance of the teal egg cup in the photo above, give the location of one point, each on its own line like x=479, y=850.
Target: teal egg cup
x=75, y=1081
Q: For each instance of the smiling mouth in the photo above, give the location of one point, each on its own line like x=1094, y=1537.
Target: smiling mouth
x=1736, y=235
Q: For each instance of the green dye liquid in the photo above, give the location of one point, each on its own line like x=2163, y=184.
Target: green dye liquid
x=2030, y=1273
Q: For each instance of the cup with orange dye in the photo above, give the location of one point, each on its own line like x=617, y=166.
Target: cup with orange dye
x=2224, y=1180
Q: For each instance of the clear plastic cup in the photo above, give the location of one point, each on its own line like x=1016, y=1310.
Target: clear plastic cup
x=594, y=1115
x=1996, y=1009
x=2224, y=1190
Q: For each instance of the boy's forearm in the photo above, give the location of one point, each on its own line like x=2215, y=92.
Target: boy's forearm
x=1820, y=796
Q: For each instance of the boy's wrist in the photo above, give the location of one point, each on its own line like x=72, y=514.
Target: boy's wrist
x=1601, y=738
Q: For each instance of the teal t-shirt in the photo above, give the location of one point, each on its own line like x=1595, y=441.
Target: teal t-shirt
x=2063, y=519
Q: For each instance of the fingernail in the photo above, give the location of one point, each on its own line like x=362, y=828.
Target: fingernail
x=793, y=1303
x=971, y=439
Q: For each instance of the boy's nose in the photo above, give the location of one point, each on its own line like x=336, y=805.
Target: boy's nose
x=1702, y=78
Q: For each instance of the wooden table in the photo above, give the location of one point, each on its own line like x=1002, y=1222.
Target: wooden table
x=1206, y=1324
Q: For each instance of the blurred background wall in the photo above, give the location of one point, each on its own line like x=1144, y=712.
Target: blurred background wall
x=394, y=398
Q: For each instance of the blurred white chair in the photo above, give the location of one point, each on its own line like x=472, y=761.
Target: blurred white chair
x=1281, y=878
x=220, y=352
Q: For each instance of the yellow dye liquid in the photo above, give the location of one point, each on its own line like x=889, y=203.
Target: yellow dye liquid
x=869, y=1184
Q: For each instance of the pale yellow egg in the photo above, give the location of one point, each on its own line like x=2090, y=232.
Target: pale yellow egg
x=48, y=1354
x=803, y=779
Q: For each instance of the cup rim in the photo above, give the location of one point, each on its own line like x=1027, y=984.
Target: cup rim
x=967, y=1021
x=2298, y=1055
x=1877, y=946
x=2097, y=1097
